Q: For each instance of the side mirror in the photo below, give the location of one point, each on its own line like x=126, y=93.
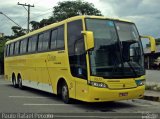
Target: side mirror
x=152, y=42
x=89, y=39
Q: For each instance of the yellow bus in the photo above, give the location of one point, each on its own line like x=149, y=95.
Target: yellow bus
x=88, y=58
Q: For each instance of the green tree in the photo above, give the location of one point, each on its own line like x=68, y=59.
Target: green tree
x=44, y=22
x=18, y=31
x=69, y=9
x=2, y=44
x=35, y=25
x=66, y=10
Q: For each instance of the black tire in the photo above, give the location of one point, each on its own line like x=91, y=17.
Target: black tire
x=65, y=93
x=14, y=81
x=20, y=83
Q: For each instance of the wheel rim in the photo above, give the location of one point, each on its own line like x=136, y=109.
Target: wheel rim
x=20, y=83
x=14, y=82
x=65, y=93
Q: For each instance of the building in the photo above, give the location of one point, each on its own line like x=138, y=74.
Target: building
x=152, y=60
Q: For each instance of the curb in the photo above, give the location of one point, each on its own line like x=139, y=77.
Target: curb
x=151, y=98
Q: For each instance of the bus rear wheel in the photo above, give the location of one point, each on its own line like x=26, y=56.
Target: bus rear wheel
x=20, y=82
x=14, y=81
x=65, y=93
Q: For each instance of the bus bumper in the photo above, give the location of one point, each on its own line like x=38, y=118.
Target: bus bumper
x=103, y=94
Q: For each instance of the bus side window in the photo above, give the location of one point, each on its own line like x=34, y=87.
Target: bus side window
x=8, y=49
x=60, y=38
x=43, y=41
x=46, y=40
x=53, y=39
x=40, y=42
x=16, y=49
x=76, y=49
x=11, y=49
x=32, y=43
x=23, y=46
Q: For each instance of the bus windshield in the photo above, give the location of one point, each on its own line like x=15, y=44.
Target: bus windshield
x=118, y=50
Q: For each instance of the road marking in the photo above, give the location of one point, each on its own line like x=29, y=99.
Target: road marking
x=32, y=104
x=102, y=117
x=93, y=117
x=27, y=97
x=143, y=105
x=4, y=83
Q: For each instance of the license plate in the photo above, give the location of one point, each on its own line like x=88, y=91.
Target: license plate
x=123, y=94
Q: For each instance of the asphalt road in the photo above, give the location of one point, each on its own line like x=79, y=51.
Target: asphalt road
x=153, y=76
x=14, y=100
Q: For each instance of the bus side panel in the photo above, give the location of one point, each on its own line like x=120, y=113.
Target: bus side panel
x=6, y=69
x=31, y=68
x=58, y=67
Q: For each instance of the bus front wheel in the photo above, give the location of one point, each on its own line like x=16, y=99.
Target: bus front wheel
x=65, y=93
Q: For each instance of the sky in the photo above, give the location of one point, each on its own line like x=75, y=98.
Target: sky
x=144, y=13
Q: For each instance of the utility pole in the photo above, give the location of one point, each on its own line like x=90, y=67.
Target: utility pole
x=28, y=10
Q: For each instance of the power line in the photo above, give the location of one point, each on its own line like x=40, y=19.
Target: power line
x=40, y=8
x=10, y=19
x=28, y=5
x=41, y=15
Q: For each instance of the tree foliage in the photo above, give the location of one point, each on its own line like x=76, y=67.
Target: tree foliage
x=62, y=11
x=2, y=44
x=18, y=31
x=69, y=9
x=35, y=25
x=66, y=10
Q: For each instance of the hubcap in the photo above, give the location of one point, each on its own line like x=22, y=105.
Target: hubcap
x=20, y=83
x=64, y=92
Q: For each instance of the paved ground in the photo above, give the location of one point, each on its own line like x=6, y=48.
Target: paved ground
x=153, y=76
x=33, y=101
x=152, y=93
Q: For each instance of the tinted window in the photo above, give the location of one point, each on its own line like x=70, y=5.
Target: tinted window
x=32, y=43
x=60, y=38
x=74, y=34
x=76, y=49
x=40, y=42
x=23, y=46
x=16, y=49
x=11, y=49
x=43, y=41
x=53, y=38
x=46, y=40
x=8, y=47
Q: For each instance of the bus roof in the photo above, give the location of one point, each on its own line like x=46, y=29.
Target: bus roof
x=60, y=23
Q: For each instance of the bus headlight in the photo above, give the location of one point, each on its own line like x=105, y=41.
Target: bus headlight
x=140, y=82
x=97, y=84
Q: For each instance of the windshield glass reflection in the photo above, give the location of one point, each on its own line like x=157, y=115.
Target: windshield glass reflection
x=117, y=52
